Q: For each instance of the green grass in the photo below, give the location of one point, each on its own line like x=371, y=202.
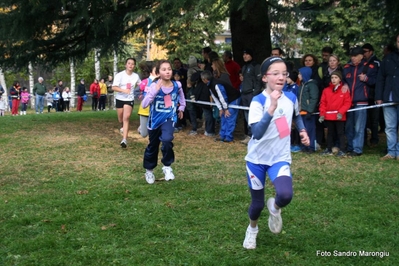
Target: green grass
x=71, y=196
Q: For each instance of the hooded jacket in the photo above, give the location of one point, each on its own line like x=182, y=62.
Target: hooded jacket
x=334, y=101
x=308, y=93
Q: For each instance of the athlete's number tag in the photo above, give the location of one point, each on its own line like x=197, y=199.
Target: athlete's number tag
x=282, y=127
x=168, y=101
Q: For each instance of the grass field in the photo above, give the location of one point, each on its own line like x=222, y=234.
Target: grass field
x=71, y=196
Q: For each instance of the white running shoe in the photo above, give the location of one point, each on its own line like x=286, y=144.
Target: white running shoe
x=250, y=239
x=167, y=170
x=123, y=143
x=121, y=130
x=275, y=220
x=149, y=177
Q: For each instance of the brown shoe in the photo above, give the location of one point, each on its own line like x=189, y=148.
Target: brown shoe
x=387, y=157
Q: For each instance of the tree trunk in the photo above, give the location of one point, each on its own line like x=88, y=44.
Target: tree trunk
x=3, y=84
x=31, y=84
x=97, y=63
x=250, y=28
x=115, y=63
x=72, y=70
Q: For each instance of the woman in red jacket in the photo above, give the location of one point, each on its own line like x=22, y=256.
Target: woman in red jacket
x=95, y=94
x=334, y=104
x=15, y=93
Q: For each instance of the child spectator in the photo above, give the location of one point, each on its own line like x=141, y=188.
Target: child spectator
x=15, y=93
x=66, y=95
x=2, y=105
x=223, y=95
x=56, y=99
x=201, y=93
x=25, y=97
x=333, y=107
x=49, y=99
x=308, y=96
x=163, y=97
x=293, y=87
x=270, y=116
x=181, y=122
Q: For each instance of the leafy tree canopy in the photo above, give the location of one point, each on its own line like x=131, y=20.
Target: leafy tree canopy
x=50, y=32
x=344, y=24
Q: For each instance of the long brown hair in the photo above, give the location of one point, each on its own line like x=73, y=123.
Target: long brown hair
x=220, y=67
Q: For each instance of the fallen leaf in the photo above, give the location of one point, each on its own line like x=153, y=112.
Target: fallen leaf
x=81, y=192
x=103, y=227
x=47, y=221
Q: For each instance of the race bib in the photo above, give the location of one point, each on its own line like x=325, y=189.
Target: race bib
x=168, y=101
x=282, y=127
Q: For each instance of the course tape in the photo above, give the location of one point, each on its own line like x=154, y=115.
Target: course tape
x=247, y=108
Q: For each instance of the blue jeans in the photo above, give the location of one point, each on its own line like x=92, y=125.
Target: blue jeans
x=209, y=120
x=39, y=103
x=391, y=117
x=310, y=125
x=354, y=129
x=228, y=124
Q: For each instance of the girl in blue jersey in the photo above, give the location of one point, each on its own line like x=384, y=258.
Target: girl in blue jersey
x=270, y=117
x=163, y=96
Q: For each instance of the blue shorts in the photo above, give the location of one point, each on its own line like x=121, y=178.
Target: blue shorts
x=256, y=173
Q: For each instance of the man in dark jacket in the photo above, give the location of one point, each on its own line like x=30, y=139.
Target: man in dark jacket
x=373, y=115
x=81, y=92
x=223, y=95
x=359, y=85
x=387, y=91
x=250, y=86
x=201, y=93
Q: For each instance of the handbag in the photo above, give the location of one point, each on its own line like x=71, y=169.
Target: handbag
x=84, y=97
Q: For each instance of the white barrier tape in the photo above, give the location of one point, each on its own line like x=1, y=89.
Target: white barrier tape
x=330, y=112
x=214, y=104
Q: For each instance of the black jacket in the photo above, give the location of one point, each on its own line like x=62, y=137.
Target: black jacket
x=81, y=89
x=388, y=79
x=231, y=92
x=252, y=82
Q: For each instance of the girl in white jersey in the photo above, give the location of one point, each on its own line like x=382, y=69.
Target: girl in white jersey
x=270, y=117
x=124, y=84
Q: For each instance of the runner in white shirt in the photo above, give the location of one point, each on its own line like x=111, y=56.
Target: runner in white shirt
x=270, y=117
x=124, y=84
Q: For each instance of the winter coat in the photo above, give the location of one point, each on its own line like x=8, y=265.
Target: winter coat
x=359, y=89
x=334, y=101
x=387, y=86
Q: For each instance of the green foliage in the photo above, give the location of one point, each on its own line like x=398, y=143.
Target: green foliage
x=189, y=31
x=342, y=25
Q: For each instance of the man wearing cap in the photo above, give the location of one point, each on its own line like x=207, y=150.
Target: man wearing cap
x=373, y=115
x=250, y=86
x=387, y=91
x=81, y=92
x=359, y=86
x=39, y=90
